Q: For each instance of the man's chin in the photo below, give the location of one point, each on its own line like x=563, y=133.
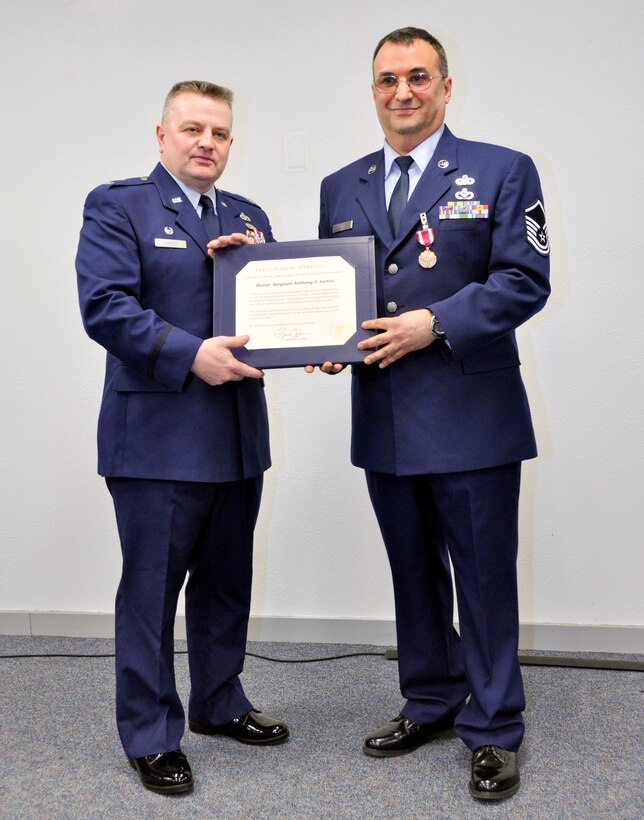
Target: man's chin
x=204, y=179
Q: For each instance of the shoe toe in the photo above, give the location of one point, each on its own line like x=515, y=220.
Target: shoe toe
x=397, y=737
x=495, y=773
x=165, y=772
x=252, y=727
x=255, y=727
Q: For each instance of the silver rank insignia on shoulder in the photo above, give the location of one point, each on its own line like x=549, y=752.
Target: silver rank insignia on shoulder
x=372, y=170
x=168, y=230
x=243, y=216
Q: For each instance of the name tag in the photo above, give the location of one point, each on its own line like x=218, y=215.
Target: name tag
x=170, y=243
x=342, y=226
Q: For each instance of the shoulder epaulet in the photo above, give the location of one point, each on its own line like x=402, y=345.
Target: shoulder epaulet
x=113, y=183
x=239, y=198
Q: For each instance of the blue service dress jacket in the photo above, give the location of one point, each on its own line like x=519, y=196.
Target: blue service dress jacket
x=145, y=285
x=462, y=405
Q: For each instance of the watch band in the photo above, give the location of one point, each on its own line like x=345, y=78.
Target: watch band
x=435, y=328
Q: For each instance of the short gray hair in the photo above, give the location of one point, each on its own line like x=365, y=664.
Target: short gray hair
x=217, y=92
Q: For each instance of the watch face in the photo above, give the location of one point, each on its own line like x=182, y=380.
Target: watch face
x=437, y=328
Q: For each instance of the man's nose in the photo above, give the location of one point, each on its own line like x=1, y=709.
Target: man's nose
x=403, y=91
x=206, y=140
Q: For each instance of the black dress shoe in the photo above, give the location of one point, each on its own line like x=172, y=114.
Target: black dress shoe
x=495, y=773
x=168, y=772
x=253, y=727
x=399, y=736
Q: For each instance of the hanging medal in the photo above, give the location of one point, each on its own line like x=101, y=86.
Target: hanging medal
x=427, y=258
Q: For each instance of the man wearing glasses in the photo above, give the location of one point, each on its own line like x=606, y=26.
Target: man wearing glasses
x=441, y=421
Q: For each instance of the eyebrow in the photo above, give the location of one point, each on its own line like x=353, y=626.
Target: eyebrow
x=196, y=123
x=388, y=72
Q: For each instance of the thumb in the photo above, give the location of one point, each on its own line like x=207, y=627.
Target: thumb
x=236, y=341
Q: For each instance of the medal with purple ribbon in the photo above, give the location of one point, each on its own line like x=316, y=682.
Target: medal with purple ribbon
x=427, y=258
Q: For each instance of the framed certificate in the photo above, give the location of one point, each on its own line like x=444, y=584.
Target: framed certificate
x=300, y=302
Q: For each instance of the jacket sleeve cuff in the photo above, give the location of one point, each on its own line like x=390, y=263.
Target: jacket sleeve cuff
x=173, y=356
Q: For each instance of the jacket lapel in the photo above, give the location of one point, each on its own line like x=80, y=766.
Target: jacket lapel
x=371, y=194
x=232, y=218
x=432, y=186
x=175, y=202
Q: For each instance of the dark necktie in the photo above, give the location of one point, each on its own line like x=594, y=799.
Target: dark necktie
x=209, y=217
x=400, y=193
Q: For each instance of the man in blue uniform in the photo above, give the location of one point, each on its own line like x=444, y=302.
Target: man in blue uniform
x=440, y=415
x=182, y=435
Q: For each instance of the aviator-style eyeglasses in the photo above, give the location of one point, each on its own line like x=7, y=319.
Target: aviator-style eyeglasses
x=418, y=81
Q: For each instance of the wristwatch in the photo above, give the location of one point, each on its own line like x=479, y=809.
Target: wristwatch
x=436, y=328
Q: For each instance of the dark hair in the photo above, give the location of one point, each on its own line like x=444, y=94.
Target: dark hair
x=406, y=36
x=217, y=92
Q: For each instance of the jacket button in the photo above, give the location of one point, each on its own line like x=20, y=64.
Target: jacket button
x=392, y=307
x=393, y=268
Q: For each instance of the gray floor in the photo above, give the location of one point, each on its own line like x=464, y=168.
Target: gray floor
x=61, y=757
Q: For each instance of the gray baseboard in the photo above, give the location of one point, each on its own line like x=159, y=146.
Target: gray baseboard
x=546, y=637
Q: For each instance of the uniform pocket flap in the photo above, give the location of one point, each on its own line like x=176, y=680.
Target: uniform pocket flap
x=128, y=380
x=496, y=356
x=463, y=225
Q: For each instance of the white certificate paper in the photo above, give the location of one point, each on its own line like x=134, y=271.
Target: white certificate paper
x=298, y=302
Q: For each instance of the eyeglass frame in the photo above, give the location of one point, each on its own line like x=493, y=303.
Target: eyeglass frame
x=393, y=90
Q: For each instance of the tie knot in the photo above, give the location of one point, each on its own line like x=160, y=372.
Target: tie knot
x=206, y=203
x=403, y=163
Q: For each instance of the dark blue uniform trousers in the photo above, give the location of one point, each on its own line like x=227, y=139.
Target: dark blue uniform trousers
x=170, y=529
x=472, y=519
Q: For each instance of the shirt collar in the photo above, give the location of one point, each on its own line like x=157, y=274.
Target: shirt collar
x=421, y=154
x=192, y=195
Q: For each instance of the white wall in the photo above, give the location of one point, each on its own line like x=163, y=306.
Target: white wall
x=83, y=83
